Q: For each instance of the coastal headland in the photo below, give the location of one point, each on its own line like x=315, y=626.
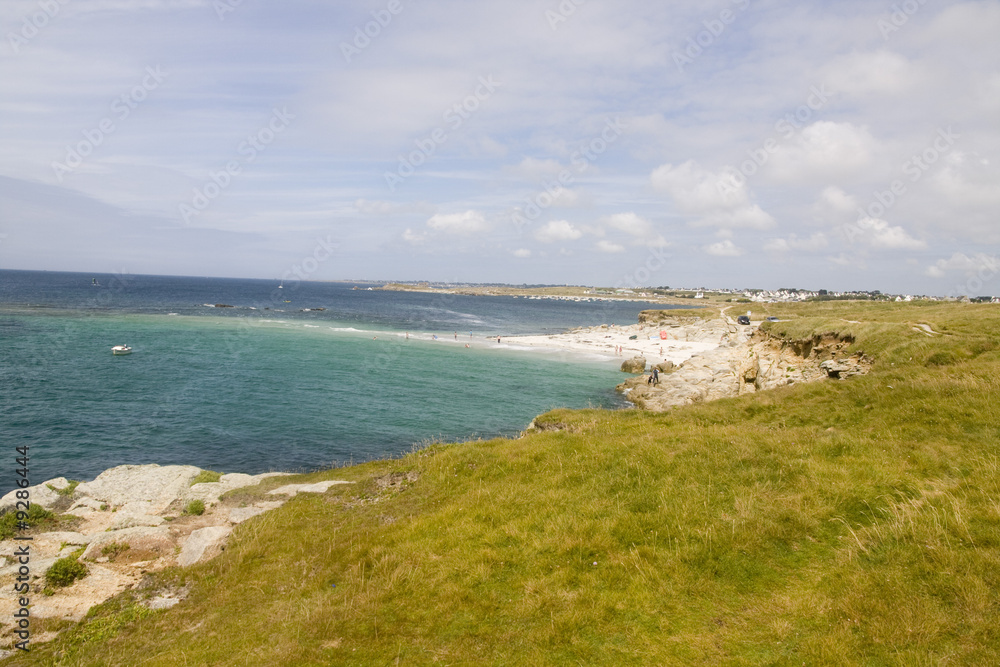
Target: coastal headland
x=854, y=517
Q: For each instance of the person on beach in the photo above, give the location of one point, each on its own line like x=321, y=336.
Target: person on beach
x=456, y=335
x=498, y=340
x=656, y=376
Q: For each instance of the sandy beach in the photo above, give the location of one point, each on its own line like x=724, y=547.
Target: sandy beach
x=677, y=343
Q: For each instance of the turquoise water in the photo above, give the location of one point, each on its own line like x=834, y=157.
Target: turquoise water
x=258, y=391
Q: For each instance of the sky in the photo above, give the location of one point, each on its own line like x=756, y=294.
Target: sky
x=725, y=143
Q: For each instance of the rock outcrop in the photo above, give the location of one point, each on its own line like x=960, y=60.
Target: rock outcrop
x=741, y=365
x=130, y=520
x=634, y=365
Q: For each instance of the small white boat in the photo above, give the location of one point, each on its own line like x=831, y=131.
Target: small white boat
x=121, y=349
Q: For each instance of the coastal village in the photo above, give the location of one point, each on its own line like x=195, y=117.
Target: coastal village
x=673, y=294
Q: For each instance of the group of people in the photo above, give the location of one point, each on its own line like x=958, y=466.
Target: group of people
x=435, y=337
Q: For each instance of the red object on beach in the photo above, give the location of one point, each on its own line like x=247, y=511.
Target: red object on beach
x=663, y=335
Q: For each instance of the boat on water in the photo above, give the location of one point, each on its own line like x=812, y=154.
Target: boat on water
x=119, y=350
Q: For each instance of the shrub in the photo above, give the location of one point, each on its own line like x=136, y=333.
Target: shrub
x=196, y=507
x=65, y=571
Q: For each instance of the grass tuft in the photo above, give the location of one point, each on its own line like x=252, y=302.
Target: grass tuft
x=10, y=523
x=65, y=571
x=195, y=507
x=206, y=476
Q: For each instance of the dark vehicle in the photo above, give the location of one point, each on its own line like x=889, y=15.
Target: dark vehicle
x=743, y=319
x=772, y=318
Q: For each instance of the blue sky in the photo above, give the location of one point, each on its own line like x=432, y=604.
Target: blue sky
x=837, y=145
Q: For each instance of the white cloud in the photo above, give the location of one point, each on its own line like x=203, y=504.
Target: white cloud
x=558, y=230
x=638, y=227
x=469, y=222
x=325, y=172
x=716, y=198
x=564, y=197
x=966, y=180
x=823, y=150
x=837, y=200
x=522, y=253
x=535, y=169
x=814, y=243
x=609, y=247
x=980, y=264
x=879, y=73
x=631, y=224
x=934, y=272
x=880, y=234
x=414, y=237
x=724, y=249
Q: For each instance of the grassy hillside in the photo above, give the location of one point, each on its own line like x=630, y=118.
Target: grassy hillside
x=834, y=523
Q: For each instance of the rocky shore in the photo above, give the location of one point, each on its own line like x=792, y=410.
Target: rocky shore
x=746, y=360
x=703, y=358
x=129, y=521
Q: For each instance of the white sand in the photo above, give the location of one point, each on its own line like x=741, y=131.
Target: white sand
x=681, y=342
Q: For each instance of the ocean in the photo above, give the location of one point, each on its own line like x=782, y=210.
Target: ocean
x=240, y=375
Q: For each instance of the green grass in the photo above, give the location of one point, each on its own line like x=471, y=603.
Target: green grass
x=196, y=507
x=206, y=476
x=66, y=490
x=841, y=522
x=65, y=571
x=9, y=523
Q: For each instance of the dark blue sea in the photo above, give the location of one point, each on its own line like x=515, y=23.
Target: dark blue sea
x=305, y=376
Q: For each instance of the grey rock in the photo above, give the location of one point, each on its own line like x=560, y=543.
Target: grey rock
x=201, y=544
x=634, y=365
x=39, y=494
x=157, y=485
x=241, y=514
x=294, y=489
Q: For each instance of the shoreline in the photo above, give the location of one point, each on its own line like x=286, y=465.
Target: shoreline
x=614, y=342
